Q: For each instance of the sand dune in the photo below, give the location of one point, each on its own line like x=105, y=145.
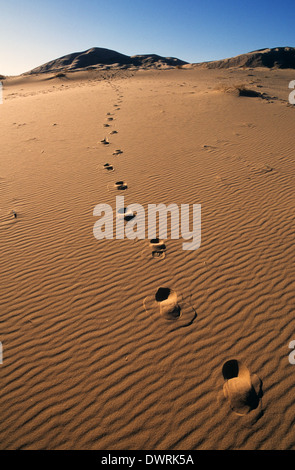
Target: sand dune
x=278, y=57
x=97, y=56
x=128, y=344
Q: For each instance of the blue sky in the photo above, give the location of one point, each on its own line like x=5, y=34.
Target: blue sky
x=34, y=32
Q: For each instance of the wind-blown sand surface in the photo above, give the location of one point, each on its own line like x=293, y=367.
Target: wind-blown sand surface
x=85, y=364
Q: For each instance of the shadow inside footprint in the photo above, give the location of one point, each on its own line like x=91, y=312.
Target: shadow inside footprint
x=126, y=214
x=108, y=167
x=167, y=307
x=168, y=303
x=158, y=248
x=242, y=389
x=121, y=185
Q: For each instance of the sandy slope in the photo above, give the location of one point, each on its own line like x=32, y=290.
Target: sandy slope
x=85, y=366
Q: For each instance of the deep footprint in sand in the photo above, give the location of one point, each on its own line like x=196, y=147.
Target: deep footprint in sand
x=155, y=249
x=158, y=248
x=105, y=141
x=242, y=390
x=125, y=214
x=165, y=305
x=117, y=152
x=107, y=167
x=118, y=186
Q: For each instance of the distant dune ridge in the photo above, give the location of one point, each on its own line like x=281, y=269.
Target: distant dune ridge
x=279, y=57
x=97, y=56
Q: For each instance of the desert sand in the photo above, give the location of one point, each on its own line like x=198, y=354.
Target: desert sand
x=89, y=361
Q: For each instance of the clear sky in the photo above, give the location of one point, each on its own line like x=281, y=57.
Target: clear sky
x=33, y=32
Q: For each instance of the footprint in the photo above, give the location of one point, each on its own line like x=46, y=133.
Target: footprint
x=242, y=390
x=7, y=218
x=126, y=213
x=158, y=248
x=155, y=249
x=110, y=119
x=166, y=305
x=113, y=132
x=209, y=147
x=120, y=185
x=117, y=152
x=106, y=125
x=108, y=167
x=264, y=169
x=105, y=141
x=157, y=254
